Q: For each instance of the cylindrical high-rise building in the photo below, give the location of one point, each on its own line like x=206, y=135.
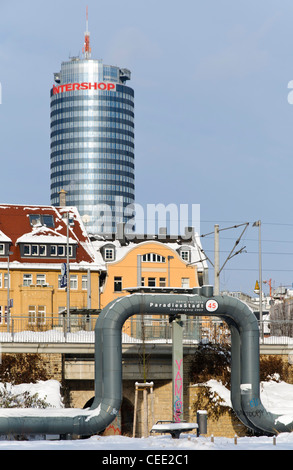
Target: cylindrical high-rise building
x=92, y=140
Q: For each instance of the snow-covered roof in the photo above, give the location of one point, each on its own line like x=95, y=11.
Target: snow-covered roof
x=17, y=227
x=44, y=235
x=4, y=238
x=124, y=247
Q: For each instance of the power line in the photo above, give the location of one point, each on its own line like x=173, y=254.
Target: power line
x=256, y=252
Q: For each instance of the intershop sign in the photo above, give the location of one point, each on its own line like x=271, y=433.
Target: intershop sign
x=108, y=86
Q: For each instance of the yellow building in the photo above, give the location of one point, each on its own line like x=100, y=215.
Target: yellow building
x=154, y=264
x=33, y=252
x=150, y=264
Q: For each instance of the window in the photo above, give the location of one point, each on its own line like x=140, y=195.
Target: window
x=53, y=250
x=84, y=282
x=185, y=255
x=185, y=282
x=27, y=279
x=43, y=250
x=35, y=250
x=60, y=278
x=61, y=250
x=46, y=219
x=41, y=319
x=69, y=251
x=73, y=281
x=41, y=279
x=37, y=314
x=109, y=254
x=3, y=315
x=2, y=248
x=6, y=280
x=26, y=250
x=32, y=314
x=117, y=284
x=153, y=258
x=162, y=282
x=59, y=281
x=152, y=282
x=35, y=219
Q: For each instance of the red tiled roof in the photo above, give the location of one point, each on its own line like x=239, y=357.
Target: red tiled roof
x=15, y=223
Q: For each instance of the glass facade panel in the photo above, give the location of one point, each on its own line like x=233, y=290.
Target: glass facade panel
x=92, y=141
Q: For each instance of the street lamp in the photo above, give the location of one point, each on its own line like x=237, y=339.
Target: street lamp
x=258, y=224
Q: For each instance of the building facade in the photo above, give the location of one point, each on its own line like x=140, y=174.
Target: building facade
x=92, y=140
x=33, y=249
x=149, y=264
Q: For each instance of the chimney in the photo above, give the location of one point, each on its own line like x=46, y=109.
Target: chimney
x=163, y=233
x=120, y=233
x=62, y=198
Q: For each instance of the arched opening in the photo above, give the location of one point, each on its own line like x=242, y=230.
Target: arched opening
x=127, y=412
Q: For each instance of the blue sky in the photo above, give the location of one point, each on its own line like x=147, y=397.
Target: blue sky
x=213, y=122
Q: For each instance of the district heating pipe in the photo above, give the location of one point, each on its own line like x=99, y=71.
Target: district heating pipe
x=245, y=385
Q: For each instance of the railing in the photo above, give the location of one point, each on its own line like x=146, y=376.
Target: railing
x=54, y=329
x=81, y=330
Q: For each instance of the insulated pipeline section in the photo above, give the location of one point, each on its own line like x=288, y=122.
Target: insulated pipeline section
x=245, y=385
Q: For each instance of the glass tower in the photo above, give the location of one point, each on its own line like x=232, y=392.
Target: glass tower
x=92, y=140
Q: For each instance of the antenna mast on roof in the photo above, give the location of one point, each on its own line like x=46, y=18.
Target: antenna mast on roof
x=86, y=49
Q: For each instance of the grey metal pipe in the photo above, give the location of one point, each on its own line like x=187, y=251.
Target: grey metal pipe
x=108, y=366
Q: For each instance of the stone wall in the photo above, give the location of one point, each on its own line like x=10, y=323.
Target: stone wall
x=78, y=392
x=53, y=365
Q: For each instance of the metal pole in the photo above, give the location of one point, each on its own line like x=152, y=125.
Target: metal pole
x=89, y=289
x=177, y=369
x=68, y=275
x=169, y=271
x=216, y=262
x=139, y=270
x=258, y=224
x=260, y=279
x=8, y=295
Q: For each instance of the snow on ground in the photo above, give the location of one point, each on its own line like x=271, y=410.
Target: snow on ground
x=277, y=397
x=185, y=444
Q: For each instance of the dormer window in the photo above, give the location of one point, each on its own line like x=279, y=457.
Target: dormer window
x=109, y=254
x=35, y=219
x=48, y=251
x=41, y=219
x=48, y=220
x=4, y=249
x=185, y=255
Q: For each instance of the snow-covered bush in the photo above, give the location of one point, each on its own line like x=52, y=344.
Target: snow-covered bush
x=10, y=399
